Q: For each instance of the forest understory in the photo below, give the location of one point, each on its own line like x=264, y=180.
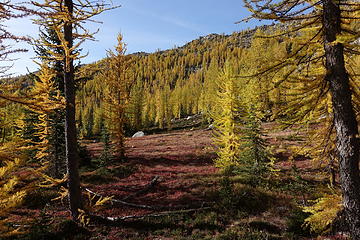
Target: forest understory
x=168, y=188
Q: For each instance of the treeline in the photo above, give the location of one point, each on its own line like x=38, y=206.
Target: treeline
x=175, y=83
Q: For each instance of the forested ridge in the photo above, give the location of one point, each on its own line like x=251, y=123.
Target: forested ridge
x=170, y=84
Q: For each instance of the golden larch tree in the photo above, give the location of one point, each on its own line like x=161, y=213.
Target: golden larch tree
x=117, y=94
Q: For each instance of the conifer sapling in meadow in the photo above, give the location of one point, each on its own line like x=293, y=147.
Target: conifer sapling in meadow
x=237, y=120
x=227, y=119
x=254, y=154
x=118, y=86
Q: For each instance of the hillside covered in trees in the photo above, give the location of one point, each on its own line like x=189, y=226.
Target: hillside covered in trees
x=175, y=83
x=252, y=135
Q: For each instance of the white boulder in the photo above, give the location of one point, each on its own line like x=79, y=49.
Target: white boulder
x=139, y=134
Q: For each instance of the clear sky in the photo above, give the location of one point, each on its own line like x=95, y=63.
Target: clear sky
x=148, y=25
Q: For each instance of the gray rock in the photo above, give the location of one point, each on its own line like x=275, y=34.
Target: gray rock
x=139, y=134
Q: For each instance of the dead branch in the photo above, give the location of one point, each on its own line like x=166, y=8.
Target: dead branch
x=147, y=187
x=122, y=202
x=151, y=215
x=153, y=182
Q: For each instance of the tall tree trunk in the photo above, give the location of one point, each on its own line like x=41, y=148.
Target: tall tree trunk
x=72, y=157
x=345, y=119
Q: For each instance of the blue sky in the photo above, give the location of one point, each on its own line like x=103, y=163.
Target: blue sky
x=148, y=25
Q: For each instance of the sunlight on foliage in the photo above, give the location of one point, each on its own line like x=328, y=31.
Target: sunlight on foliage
x=226, y=120
x=117, y=89
x=11, y=192
x=63, y=194
x=50, y=182
x=83, y=218
x=94, y=202
x=323, y=212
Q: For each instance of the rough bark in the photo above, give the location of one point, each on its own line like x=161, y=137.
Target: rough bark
x=345, y=119
x=72, y=157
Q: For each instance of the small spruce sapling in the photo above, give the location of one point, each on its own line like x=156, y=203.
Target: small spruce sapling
x=255, y=155
x=106, y=154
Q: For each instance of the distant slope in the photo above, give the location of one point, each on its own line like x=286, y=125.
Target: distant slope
x=167, y=84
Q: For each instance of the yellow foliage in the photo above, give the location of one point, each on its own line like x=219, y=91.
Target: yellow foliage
x=117, y=94
x=83, y=218
x=63, y=193
x=101, y=201
x=11, y=194
x=48, y=100
x=44, y=93
x=51, y=182
x=226, y=119
x=323, y=212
